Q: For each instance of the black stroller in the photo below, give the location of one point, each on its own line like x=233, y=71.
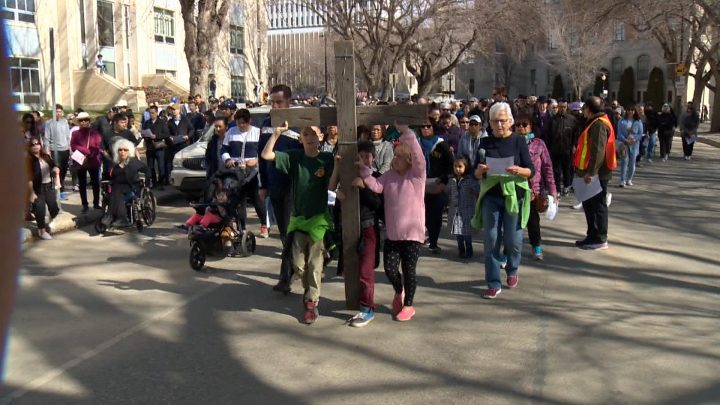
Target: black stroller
x=228, y=237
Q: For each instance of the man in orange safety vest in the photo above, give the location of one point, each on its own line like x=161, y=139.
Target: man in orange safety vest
x=595, y=156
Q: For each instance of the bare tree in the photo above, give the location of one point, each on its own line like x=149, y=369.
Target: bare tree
x=203, y=21
x=579, y=40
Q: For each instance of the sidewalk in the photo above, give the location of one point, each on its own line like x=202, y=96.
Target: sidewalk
x=71, y=215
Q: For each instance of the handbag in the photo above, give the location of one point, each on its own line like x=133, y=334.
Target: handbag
x=541, y=202
x=159, y=144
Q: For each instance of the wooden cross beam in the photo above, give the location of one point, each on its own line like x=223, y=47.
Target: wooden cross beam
x=347, y=117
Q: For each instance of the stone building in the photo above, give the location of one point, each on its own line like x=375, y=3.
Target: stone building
x=54, y=44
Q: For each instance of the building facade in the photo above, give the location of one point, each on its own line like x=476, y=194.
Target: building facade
x=54, y=45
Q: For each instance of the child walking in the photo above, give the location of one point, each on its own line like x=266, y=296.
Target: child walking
x=312, y=173
x=464, y=189
x=403, y=188
x=370, y=210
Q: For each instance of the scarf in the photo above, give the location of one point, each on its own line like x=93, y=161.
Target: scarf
x=427, y=144
x=529, y=136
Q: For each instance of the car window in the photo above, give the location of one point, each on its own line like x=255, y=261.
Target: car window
x=207, y=135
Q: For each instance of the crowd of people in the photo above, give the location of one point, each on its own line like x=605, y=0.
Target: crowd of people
x=491, y=167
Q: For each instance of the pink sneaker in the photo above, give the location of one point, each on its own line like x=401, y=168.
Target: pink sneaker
x=311, y=312
x=397, y=304
x=405, y=314
x=512, y=281
x=491, y=293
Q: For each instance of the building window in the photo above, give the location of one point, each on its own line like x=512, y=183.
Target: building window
x=471, y=86
x=639, y=97
x=25, y=81
x=619, y=32
x=106, y=28
x=172, y=73
x=552, y=41
x=617, y=69
x=164, y=26
x=21, y=10
x=643, y=67
x=237, y=87
x=237, y=39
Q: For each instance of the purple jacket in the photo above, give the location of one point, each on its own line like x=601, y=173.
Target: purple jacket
x=543, y=181
x=451, y=137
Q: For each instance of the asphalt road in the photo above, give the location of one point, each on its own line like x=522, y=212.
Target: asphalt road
x=123, y=319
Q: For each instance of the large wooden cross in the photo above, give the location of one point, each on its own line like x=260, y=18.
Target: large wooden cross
x=347, y=117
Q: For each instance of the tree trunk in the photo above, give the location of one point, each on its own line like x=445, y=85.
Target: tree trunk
x=715, y=112
x=198, y=76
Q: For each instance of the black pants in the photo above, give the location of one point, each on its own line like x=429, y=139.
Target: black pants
x=250, y=190
x=596, y=215
x=62, y=159
x=533, y=226
x=155, y=158
x=465, y=247
x=665, y=137
x=687, y=147
x=434, y=207
x=282, y=205
x=45, y=197
x=405, y=252
x=562, y=171
x=95, y=182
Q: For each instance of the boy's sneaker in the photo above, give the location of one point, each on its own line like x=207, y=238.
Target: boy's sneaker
x=44, y=235
x=608, y=199
x=362, y=318
x=503, y=262
x=435, y=250
x=622, y=184
x=311, y=312
x=629, y=183
x=76, y=188
x=397, y=303
x=264, y=231
x=577, y=206
x=537, y=251
x=595, y=246
x=405, y=314
x=512, y=281
x=491, y=293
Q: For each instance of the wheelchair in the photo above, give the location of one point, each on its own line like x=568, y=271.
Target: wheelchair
x=226, y=238
x=141, y=209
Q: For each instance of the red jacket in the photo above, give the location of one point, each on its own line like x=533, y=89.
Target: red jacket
x=88, y=142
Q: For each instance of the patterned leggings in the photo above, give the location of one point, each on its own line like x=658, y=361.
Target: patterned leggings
x=407, y=252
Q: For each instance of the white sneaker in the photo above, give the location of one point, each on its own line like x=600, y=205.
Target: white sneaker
x=577, y=206
x=649, y=161
x=689, y=158
x=44, y=235
x=608, y=199
x=664, y=159
x=622, y=184
x=629, y=183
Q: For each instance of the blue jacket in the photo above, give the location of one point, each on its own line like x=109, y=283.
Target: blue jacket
x=636, y=132
x=270, y=177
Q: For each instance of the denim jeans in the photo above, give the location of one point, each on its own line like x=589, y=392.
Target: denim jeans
x=650, y=151
x=465, y=247
x=627, y=163
x=156, y=163
x=495, y=217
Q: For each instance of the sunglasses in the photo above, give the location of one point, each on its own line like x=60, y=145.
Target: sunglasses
x=474, y=123
x=123, y=150
x=84, y=120
x=425, y=126
x=464, y=122
x=523, y=124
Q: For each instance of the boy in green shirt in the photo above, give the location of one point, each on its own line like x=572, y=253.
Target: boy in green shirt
x=312, y=173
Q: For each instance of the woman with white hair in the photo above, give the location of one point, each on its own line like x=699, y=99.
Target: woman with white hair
x=503, y=206
x=124, y=178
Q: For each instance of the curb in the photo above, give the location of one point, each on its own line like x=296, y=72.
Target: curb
x=708, y=141
x=66, y=222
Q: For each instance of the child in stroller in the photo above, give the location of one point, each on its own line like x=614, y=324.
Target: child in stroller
x=218, y=226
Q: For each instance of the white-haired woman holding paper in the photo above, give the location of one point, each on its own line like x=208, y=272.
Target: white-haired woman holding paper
x=124, y=177
x=505, y=197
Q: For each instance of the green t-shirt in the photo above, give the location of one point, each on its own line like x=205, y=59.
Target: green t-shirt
x=310, y=178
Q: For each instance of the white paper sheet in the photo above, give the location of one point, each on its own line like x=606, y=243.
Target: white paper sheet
x=146, y=133
x=331, y=197
x=552, y=208
x=78, y=157
x=497, y=166
x=585, y=191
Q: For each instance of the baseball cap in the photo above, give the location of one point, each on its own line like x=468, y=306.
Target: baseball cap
x=82, y=116
x=473, y=100
x=121, y=103
x=476, y=118
x=445, y=106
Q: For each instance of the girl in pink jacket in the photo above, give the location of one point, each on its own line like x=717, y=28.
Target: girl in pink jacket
x=403, y=187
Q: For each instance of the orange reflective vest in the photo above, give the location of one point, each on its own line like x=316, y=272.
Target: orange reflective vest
x=582, y=155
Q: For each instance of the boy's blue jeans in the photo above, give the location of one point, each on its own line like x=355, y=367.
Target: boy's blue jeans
x=494, y=218
x=627, y=163
x=652, y=140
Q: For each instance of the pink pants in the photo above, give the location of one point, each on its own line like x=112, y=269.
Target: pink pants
x=205, y=220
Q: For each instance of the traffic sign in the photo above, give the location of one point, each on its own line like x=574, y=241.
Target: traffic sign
x=680, y=69
x=393, y=80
